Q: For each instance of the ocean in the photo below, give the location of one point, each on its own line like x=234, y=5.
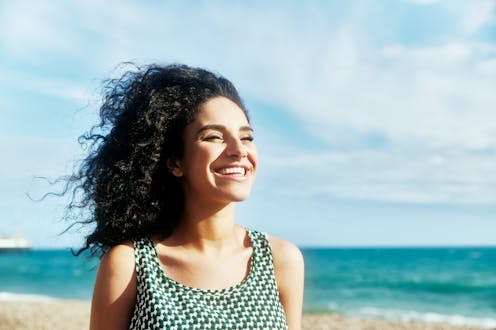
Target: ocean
x=450, y=285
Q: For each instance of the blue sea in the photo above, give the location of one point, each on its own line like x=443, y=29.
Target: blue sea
x=450, y=285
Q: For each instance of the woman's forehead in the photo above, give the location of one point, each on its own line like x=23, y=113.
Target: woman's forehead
x=221, y=111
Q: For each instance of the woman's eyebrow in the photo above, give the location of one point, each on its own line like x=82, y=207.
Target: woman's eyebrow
x=210, y=127
x=222, y=128
x=246, y=129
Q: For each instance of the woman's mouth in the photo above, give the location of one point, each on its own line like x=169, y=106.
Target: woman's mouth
x=233, y=171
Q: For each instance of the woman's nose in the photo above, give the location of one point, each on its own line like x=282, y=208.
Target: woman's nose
x=235, y=147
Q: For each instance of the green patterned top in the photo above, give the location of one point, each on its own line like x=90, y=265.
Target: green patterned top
x=163, y=303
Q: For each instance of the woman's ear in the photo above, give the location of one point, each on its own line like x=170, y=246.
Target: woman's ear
x=174, y=167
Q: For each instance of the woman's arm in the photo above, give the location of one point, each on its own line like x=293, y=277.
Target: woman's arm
x=114, y=294
x=289, y=271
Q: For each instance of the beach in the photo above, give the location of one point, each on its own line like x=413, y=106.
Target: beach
x=74, y=315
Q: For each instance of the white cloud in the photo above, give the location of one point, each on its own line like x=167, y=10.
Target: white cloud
x=476, y=14
x=424, y=2
x=422, y=95
x=63, y=89
x=487, y=68
x=442, y=176
x=30, y=29
x=471, y=15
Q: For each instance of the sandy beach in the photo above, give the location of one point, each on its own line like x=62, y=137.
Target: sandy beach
x=74, y=315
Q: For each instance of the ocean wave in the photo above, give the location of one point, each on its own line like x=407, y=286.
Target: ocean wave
x=446, y=287
x=410, y=315
x=9, y=296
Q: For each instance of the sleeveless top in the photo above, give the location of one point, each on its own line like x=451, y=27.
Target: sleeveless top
x=163, y=303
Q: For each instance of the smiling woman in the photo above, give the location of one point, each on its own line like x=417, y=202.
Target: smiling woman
x=162, y=180
x=220, y=158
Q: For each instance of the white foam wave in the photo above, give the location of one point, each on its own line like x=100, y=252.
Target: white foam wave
x=9, y=296
x=410, y=315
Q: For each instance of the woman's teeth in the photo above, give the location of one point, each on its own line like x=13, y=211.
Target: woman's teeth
x=233, y=170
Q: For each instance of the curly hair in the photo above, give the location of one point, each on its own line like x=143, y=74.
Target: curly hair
x=124, y=180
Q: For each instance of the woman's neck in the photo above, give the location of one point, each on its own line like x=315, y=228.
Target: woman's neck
x=206, y=227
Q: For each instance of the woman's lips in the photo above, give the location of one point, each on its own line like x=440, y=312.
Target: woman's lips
x=237, y=170
x=233, y=172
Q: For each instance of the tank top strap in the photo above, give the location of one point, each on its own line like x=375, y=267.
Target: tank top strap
x=262, y=253
x=146, y=263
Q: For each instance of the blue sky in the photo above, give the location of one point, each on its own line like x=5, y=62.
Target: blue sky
x=375, y=121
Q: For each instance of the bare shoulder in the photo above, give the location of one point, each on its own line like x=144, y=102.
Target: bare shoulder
x=115, y=289
x=285, y=253
x=289, y=272
x=116, y=271
x=120, y=256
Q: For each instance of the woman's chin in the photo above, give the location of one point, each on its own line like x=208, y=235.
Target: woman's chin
x=237, y=196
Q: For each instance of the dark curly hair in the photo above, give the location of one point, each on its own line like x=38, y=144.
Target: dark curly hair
x=125, y=181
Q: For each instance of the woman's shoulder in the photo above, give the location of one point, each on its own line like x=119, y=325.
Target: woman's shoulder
x=120, y=258
x=120, y=250
x=289, y=273
x=115, y=289
x=285, y=254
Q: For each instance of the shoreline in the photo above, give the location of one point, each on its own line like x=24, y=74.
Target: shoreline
x=74, y=314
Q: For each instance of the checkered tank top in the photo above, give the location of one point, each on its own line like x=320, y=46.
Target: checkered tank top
x=163, y=303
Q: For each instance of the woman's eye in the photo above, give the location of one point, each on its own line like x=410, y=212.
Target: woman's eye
x=247, y=138
x=213, y=138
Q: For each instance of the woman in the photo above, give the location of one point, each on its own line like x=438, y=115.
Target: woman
x=162, y=180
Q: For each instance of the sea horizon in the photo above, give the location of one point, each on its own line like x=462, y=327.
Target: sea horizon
x=307, y=247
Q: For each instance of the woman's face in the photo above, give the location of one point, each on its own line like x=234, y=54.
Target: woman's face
x=220, y=159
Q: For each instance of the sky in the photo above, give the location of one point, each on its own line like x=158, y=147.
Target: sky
x=374, y=120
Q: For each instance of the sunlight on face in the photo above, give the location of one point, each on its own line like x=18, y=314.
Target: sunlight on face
x=220, y=158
